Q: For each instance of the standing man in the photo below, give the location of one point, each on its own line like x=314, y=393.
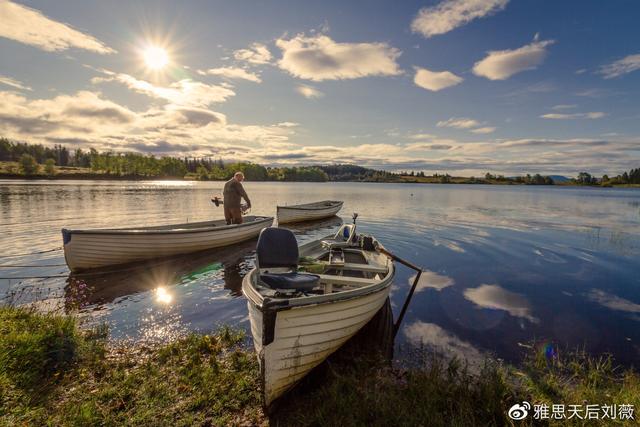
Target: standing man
x=233, y=193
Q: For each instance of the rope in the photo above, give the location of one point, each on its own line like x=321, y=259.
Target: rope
x=34, y=277
x=32, y=253
x=30, y=266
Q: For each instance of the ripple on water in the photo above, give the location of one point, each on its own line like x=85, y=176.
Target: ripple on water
x=503, y=264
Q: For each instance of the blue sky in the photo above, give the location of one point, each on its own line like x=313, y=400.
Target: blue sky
x=458, y=86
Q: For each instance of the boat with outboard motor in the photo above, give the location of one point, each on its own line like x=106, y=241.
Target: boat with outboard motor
x=306, y=302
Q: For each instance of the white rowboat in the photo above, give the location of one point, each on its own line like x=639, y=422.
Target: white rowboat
x=296, y=328
x=85, y=249
x=308, y=211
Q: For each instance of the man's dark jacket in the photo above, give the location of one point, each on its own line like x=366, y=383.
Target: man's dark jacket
x=233, y=193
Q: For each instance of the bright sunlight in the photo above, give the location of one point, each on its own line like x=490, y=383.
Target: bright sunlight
x=156, y=57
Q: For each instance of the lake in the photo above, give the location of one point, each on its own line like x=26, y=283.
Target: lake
x=504, y=265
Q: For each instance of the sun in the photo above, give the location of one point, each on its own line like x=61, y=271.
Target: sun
x=155, y=57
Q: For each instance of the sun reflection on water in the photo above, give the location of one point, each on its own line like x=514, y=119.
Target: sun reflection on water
x=163, y=296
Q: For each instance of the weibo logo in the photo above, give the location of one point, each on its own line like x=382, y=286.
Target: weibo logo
x=519, y=411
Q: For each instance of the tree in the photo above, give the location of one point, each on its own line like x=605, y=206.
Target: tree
x=585, y=178
x=5, y=149
x=202, y=173
x=28, y=164
x=49, y=167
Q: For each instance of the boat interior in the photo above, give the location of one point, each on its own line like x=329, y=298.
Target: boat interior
x=331, y=265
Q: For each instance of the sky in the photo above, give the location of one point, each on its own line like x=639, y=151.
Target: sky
x=457, y=86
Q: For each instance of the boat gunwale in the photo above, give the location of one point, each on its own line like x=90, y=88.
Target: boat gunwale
x=267, y=304
x=309, y=207
x=142, y=231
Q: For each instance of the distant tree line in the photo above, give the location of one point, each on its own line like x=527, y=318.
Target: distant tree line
x=631, y=177
x=358, y=173
x=30, y=157
x=36, y=158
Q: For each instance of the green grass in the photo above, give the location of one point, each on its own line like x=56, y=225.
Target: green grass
x=370, y=393
x=51, y=373
x=444, y=392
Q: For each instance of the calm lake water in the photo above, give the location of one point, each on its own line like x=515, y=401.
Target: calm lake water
x=504, y=265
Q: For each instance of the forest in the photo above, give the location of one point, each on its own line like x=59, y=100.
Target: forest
x=36, y=160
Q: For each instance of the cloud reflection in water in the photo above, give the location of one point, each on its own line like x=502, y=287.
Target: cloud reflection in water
x=613, y=302
x=433, y=336
x=497, y=298
x=431, y=279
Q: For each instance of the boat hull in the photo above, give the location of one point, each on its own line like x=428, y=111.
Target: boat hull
x=290, y=342
x=291, y=214
x=86, y=249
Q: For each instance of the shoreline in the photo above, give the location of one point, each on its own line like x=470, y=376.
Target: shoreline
x=456, y=181
x=59, y=374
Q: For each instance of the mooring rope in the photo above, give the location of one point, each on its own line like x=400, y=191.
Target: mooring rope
x=31, y=253
x=34, y=277
x=30, y=266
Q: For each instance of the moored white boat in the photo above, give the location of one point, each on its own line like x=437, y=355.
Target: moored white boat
x=308, y=211
x=299, y=319
x=85, y=249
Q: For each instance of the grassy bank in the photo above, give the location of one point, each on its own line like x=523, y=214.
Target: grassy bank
x=53, y=374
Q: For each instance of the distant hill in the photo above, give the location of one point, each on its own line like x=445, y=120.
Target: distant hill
x=559, y=178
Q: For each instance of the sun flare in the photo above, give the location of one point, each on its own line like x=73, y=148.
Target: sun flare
x=156, y=57
x=163, y=296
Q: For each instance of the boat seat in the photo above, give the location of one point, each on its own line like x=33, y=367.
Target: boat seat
x=345, y=237
x=292, y=280
x=277, y=248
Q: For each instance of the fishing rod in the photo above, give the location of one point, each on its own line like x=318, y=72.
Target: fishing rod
x=218, y=201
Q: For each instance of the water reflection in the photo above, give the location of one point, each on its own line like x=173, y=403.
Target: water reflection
x=567, y=258
x=430, y=279
x=163, y=296
x=106, y=286
x=496, y=298
x=613, y=302
x=435, y=338
x=304, y=227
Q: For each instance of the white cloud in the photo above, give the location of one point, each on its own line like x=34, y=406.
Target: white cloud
x=309, y=91
x=419, y=136
x=458, y=123
x=451, y=14
x=256, y=54
x=595, y=93
x=86, y=119
x=435, y=80
x=502, y=64
x=560, y=116
x=320, y=58
x=621, y=67
x=232, y=73
x=13, y=83
x=497, y=298
x=183, y=92
x=30, y=26
x=564, y=107
x=484, y=130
